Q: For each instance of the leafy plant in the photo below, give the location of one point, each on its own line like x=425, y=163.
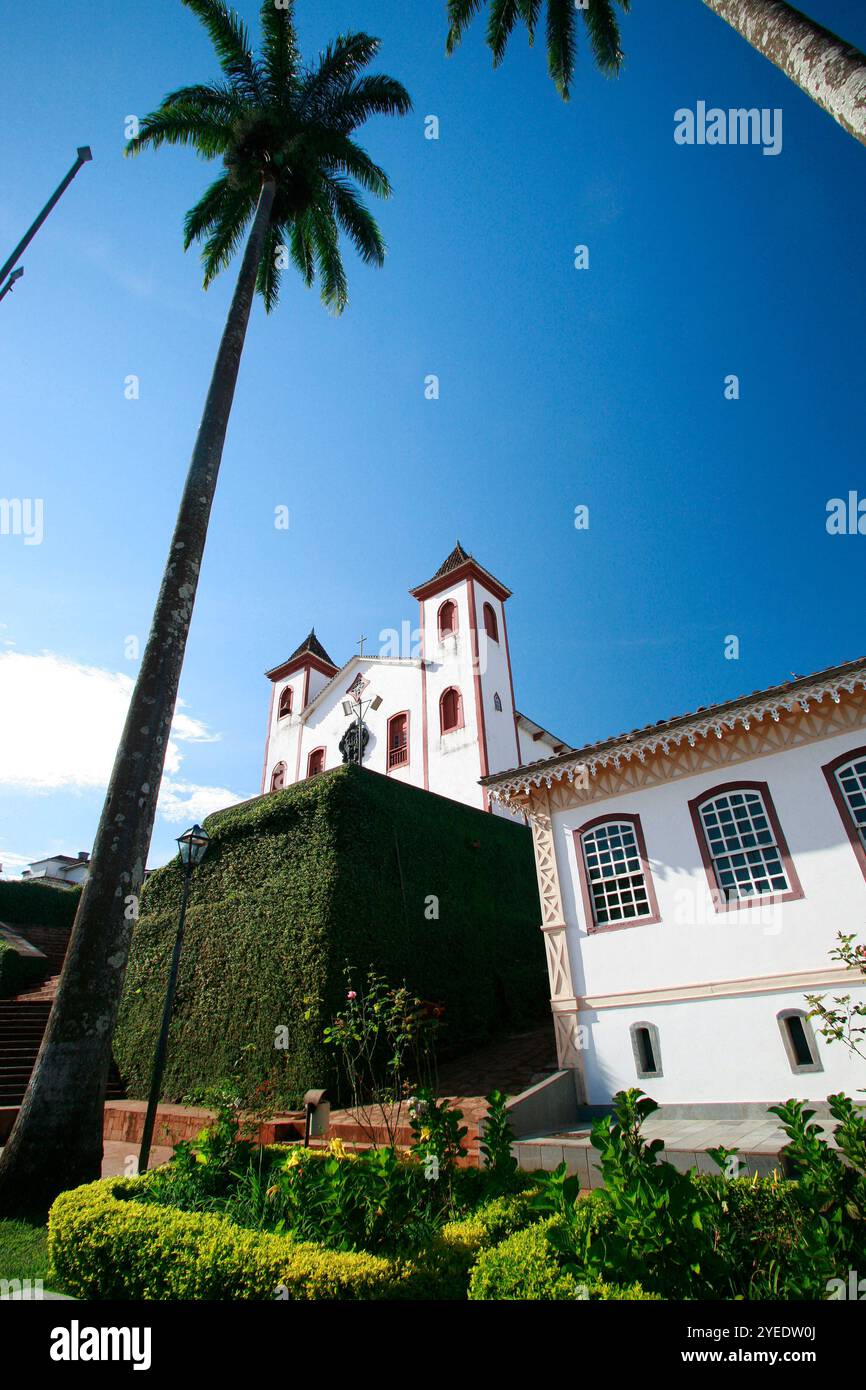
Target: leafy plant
x=844, y=1019
x=496, y=1152
x=384, y=1040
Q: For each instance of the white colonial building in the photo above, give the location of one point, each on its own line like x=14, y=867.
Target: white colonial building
x=693, y=876
x=437, y=705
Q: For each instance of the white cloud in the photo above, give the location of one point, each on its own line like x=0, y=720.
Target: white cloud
x=60, y=723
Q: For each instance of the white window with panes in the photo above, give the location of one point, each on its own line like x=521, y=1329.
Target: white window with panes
x=746, y=856
x=615, y=873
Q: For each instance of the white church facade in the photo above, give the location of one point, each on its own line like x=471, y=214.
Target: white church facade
x=693, y=877
x=440, y=715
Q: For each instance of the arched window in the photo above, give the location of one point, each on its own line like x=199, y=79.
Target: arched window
x=846, y=778
x=278, y=777
x=285, y=702
x=491, y=626
x=447, y=618
x=799, y=1040
x=741, y=842
x=615, y=879
x=646, y=1048
x=398, y=740
x=497, y=702
x=316, y=762
x=450, y=710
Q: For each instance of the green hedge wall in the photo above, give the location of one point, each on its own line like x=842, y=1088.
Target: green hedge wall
x=338, y=867
x=37, y=904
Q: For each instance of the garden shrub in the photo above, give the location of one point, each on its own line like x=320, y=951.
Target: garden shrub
x=18, y=971
x=36, y=904
x=527, y=1266
x=340, y=867
x=104, y=1244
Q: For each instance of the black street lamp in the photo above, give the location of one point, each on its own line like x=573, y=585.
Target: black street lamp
x=8, y=287
x=83, y=157
x=193, y=845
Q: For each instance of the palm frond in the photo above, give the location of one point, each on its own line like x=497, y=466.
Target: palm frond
x=504, y=14
x=367, y=96
x=356, y=220
x=210, y=207
x=340, y=63
x=332, y=274
x=182, y=125
x=270, y=271
x=529, y=12
x=214, y=98
x=460, y=15
x=341, y=155
x=301, y=247
x=230, y=37
x=281, y=56
x=226, y=235
x=603, y=29
x=561, y=44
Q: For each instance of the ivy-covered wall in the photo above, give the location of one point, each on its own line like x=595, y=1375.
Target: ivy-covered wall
x=351, y=866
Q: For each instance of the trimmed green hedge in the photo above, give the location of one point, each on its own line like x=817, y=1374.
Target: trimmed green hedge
x=103, y=1244
x=525, y=1266
x=17, y=971
x=340, y=867
x=37, y=904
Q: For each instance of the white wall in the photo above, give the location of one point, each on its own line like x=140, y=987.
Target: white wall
x=455, y=757
x=716, y=1046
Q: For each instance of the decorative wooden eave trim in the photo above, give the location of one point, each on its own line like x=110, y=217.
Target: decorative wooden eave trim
x=523, y=783
x=298, y=663
x=470, y=569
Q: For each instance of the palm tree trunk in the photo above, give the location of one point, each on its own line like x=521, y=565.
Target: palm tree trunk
x=830, y=71
x=57, y=1140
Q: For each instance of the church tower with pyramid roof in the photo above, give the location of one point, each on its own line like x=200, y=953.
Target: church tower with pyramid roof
x=441, y=716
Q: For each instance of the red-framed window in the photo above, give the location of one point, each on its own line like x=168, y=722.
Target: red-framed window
x=491, y=625
x=846, y=778
x=744, y=851
x=278, y=777
x=447, y=618
x=286, y=699
x=616, y=884
x=450, y=710
x=316, y=762
x=398, y=740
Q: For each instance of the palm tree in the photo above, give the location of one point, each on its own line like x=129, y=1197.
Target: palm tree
x=829, y=70
x=293, y=171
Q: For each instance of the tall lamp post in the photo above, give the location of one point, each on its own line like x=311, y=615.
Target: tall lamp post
x=193, y=845
x=83, y=157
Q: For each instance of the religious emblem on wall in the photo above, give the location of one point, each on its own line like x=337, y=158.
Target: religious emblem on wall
x=349, y=742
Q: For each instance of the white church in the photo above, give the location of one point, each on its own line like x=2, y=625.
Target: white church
x=440, y=715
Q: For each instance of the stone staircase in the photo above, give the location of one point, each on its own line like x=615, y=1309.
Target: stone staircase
x=24, y=1018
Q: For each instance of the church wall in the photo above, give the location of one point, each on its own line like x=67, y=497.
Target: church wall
x=693, y=945
x=400, y=688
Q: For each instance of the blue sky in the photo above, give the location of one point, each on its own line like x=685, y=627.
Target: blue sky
x=559, y=387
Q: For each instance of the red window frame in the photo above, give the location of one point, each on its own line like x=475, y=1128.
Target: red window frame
x=286, y=702
x=720, y=902
x=491, y=622
x=447, y=631
x=653, y=917
x=448, y=729
x=829, y=770
x=398, y=754
x=315, y=753
x=278, y=777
